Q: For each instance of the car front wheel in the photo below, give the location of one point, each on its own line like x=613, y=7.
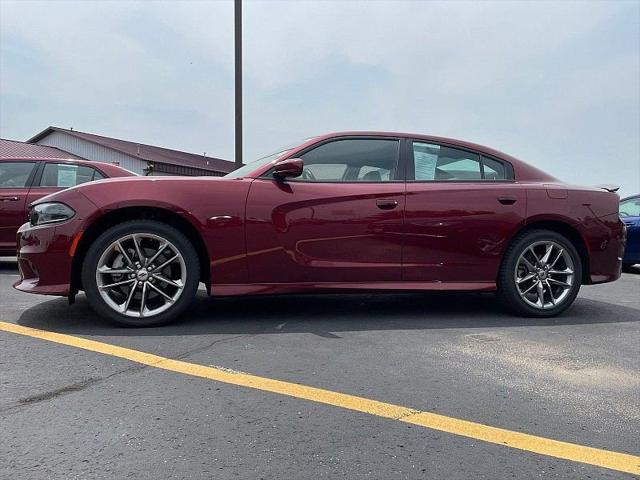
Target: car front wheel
x=141, y=273
x=540, y=275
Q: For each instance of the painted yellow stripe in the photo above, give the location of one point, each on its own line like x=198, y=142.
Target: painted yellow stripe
x=569, y=451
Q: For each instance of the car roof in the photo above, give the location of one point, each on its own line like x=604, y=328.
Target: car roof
x=109, y=168
x=419, y=136
x=51, y=159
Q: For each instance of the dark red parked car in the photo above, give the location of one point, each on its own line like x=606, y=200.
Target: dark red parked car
x=349, y=211
x=25, y=180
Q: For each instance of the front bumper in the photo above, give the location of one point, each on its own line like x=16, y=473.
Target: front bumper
x=43, y=258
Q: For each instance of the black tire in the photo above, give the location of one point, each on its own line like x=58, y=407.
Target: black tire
x=508, y=294
x=102, y=243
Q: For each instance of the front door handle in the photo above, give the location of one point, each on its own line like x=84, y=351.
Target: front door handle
x=9, y=199
x=507, y=200
x=387, y=204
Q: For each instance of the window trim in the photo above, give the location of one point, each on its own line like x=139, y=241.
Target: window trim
x=400, y=169
x=29, y=181
x=38, y=176
x=410, y=164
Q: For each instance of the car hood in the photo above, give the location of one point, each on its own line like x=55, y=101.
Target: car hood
x=135, y=187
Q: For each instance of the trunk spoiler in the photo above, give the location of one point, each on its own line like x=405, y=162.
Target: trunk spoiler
x=609, y=187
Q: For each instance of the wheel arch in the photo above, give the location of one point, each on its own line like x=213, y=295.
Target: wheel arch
x=566, y=230
x=114, y=217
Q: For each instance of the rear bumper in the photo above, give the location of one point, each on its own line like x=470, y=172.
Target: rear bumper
x=43, y=259
x=606, y=249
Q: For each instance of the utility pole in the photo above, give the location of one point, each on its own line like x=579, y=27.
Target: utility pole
x=237, y=13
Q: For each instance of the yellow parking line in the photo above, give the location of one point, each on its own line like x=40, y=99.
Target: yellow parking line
x=545, y=446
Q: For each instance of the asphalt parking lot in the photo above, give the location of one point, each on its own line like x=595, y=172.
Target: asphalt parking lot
x=67, y=412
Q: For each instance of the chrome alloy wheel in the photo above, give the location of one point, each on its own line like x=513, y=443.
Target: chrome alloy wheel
x=141, y=275
x=544, y=275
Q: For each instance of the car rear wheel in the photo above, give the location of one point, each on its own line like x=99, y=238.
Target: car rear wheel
x=141, y=273
x=540, y=275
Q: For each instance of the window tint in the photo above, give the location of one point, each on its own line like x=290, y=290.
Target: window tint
x=66, y=175
x=374, y=174
x=630, y=208
x=351, y=160
x=323, y=171
x=436, y=162
x=15, y=174
x=458, y=169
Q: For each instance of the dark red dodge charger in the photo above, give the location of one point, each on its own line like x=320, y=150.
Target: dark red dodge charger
x=346, y=211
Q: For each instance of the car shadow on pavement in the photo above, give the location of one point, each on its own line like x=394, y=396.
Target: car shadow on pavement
x=322, y=315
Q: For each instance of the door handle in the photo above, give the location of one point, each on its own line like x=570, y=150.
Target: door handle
x=9, y=199
x=387, y=204
x=507, y=200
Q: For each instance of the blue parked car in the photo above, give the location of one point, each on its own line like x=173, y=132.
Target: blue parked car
x=630, y=215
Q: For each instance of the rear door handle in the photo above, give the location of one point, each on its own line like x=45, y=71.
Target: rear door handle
x=9, y=199
x=507, y=200
x=387, y=204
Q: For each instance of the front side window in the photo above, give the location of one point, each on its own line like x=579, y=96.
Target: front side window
x=323, y=172
x=376, y=174
x=630, y=207
x=65, y=175
x=15, y=174
x=351, y=160
x=440, y=163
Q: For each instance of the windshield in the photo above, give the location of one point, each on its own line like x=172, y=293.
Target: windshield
x=251, y=166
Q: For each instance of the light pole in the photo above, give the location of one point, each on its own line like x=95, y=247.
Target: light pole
x=237, y=13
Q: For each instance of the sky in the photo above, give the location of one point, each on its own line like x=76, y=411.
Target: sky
x=556, y=84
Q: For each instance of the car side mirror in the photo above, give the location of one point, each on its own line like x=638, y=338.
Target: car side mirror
x=291, y=167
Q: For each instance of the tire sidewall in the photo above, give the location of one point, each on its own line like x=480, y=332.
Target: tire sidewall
x=90, y=263
x=507, y=289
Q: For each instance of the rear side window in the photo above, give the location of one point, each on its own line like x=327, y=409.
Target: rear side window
x=436, y=162
x=441, y=163
x=15, y=174
x=65, y=175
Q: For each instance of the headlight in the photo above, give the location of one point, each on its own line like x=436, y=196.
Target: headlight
x=50, y=212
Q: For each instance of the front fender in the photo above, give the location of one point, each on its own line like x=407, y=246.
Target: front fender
x=215, y=207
